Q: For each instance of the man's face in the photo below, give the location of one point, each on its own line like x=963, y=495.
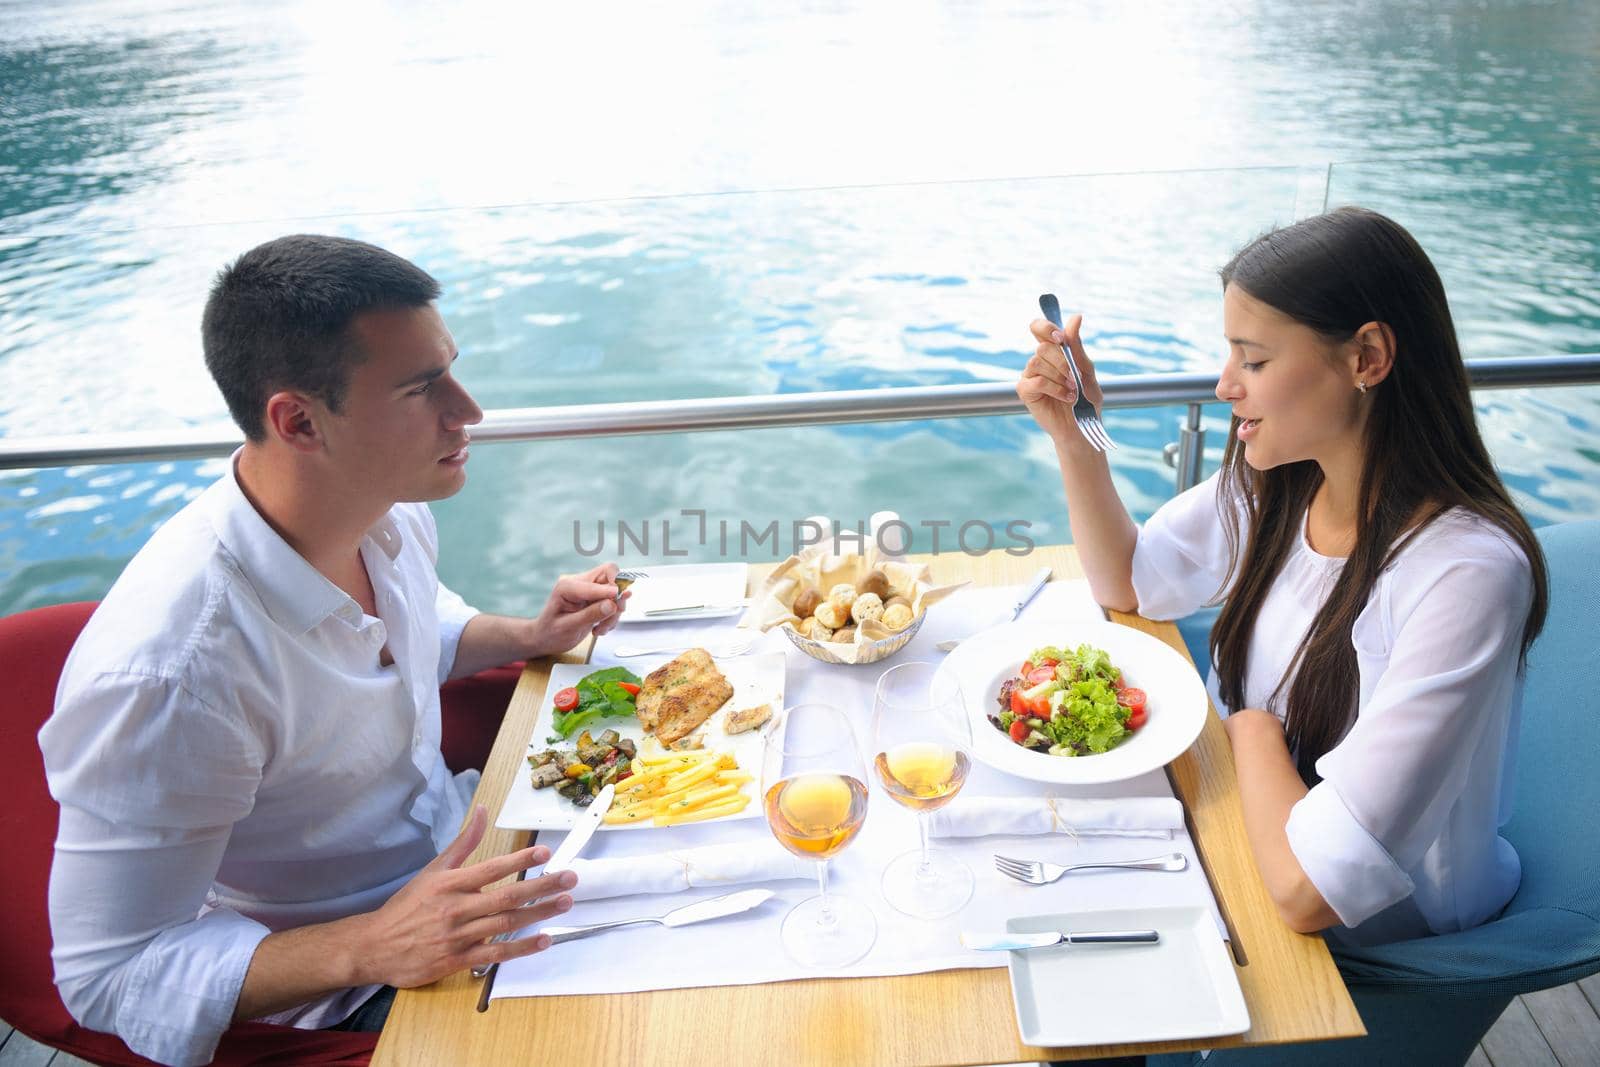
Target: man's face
x=402, y=433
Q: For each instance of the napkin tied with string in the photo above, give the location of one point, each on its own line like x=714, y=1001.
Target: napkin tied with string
x=687, y=868
x=1122, y=817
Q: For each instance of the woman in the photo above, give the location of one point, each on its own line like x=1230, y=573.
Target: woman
x=1379, y=587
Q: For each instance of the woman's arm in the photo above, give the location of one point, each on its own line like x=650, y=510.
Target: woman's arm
x=1102, y=530
x=1269, y=787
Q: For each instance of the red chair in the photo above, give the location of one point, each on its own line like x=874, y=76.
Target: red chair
x=33, y=648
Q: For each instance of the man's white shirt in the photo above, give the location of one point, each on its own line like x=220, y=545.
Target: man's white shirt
x=232, y=759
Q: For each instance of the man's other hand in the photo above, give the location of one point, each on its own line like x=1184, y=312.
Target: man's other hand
x=441, y=920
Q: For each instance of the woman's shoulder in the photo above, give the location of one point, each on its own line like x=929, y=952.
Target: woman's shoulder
x=1464, y=549
x=1460, y=535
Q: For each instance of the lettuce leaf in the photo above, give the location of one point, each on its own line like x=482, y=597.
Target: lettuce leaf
x=600, y=696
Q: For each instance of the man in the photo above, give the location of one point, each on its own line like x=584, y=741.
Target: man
x=256, y=821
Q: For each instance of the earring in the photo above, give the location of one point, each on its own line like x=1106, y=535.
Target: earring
x=1362, y=385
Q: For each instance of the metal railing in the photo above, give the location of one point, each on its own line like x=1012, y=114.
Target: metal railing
x=788, y=409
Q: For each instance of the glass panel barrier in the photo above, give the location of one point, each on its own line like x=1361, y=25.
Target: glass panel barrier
x=1515, y=242
x=716, y=295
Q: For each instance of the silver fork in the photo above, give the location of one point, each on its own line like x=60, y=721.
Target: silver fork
x=627, y=578
x=1083, y=412
x=734, y=646
x=1035, y=872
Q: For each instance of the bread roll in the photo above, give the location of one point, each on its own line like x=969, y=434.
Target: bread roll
x=866, y=606
x=831, y=614
x=874, y=582
x=806, y=603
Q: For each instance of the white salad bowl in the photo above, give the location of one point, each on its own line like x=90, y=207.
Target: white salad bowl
x=1176, y=699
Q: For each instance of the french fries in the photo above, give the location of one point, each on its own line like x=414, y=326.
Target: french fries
x=678, y=787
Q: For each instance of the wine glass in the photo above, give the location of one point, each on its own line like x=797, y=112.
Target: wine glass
x=814, y=787
x=922, y=737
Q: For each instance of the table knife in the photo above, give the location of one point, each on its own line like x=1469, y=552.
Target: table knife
x=1017, y=942
x=581, y=831
x=1035, y=584
x=698, y=912
x=684, y=609
x=565, y=853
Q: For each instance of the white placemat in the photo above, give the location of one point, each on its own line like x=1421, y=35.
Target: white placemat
x=746, y=949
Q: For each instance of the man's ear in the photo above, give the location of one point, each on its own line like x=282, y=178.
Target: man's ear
x=1374, y=344
x=292, y=418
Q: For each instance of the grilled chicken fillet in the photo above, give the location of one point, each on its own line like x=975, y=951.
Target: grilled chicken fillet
x=680, y=695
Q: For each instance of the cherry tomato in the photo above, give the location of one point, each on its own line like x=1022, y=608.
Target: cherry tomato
x=1039, y=709
x=632, y=689
x=1018, y=705
x=1137, y=719
x=1018, y=731
x=566, y=699
x=1051, y=663
x=1040, y=675
x=1132, y=698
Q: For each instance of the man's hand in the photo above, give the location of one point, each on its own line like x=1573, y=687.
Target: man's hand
x=439, y=921
x=579, y=605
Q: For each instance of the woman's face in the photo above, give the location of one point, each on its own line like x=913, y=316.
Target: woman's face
x=1295, y=392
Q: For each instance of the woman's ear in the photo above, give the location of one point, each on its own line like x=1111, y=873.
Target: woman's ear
x=291, y=419
x=1374, y=351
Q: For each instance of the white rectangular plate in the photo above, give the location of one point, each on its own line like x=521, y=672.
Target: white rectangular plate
x=755, y=680
x=1179, y=989
x=720, y=586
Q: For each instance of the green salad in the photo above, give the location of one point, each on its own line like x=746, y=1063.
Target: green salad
x=603, y=694
x=1069, y=702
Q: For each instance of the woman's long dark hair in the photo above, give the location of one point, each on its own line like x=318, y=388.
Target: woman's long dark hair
x=1335, y=273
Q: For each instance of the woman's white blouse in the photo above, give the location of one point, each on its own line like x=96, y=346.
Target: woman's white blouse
x=1401, y=835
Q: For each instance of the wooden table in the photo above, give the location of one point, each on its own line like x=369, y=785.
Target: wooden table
x=944, y=1017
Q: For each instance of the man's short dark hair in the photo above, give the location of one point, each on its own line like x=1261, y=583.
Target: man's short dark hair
x=279, y=318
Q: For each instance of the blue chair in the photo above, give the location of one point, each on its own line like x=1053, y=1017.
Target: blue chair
x=1431, y=1000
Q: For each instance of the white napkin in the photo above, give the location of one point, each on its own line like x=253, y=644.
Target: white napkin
x=1123, y=817
x=687, y=868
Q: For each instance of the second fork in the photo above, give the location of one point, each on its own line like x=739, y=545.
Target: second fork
x=1036, y=872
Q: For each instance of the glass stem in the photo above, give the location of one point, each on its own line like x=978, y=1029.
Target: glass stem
x=925, y=865
x=825, y=916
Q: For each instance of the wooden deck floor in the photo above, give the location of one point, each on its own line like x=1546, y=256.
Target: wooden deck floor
x=1555, y=1028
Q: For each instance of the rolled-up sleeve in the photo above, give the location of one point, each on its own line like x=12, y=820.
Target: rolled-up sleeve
x=454, y=614
x=1181, y=561
x=136, y=854
x=1388, y=788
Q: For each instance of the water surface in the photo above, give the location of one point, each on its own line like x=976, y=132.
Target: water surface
x=700, y=200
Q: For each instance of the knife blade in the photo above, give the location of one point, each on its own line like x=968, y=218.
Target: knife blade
x=581, y=831
x=698, y=912
x=683, y=609
x=717, y=907
x=1018, y=942
x=1034, y=585
x=566, y=852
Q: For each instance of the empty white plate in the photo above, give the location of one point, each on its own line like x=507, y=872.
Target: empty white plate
x=718, y=589
x=1182, y=988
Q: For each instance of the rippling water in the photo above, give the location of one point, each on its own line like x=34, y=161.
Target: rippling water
x=699, y=200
